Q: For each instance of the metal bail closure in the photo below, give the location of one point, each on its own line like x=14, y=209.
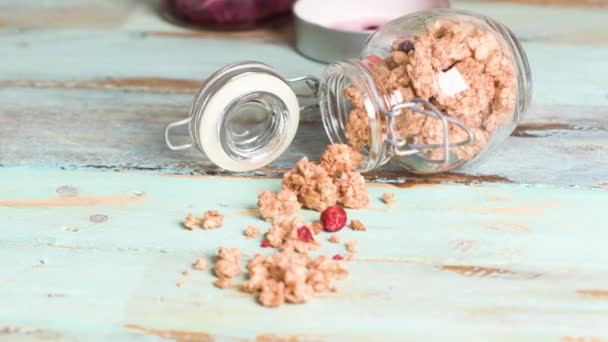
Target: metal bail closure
x=417, y=105
x=243, y=118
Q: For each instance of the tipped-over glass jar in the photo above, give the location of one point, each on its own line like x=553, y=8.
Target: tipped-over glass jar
x=433, y=91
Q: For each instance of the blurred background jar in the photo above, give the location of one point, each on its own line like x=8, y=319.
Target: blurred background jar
x=228, y=14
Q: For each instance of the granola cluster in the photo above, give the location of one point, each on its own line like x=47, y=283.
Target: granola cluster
x=332, y=181
x=291, y=277
x=459, y=68
x=388, y=198
x=252, y=232
x=273, y=207
x=227, y=266
x=292, y=235
x=211, y=219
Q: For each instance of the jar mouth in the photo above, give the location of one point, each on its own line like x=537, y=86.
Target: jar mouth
x=244, y=117
x=336, y=110
x=253, y=126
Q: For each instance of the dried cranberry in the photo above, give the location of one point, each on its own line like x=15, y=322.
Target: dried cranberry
x=371, y=27
x=337, y=257
x=333, y=219
x=305, y=234
x=265, y=244
x=407, y=46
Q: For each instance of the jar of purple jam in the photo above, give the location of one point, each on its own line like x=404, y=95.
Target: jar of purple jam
x=229, y=14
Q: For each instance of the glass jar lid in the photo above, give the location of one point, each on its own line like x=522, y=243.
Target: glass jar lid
x=243, y=118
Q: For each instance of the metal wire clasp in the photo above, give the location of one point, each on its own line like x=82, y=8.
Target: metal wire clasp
x=401, y=147
x=168, y=128
x=312, y=83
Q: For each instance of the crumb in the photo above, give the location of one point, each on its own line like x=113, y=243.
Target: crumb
x=278, y=207
x=222, y=283
x=339, y=158
x=191, y=222
x=291, y=277
x=316, y=227
x=212, y=219
x=227, y=264
x=357, y=225
x=200, y=264
x=334, y=239
x=351, y=246
x=349, y=257
x=313, y=185
x=187, y=272
x=252, y=232
x=388, y=197
x=179, y=284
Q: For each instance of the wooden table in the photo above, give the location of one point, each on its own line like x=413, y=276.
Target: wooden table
x=91, y=245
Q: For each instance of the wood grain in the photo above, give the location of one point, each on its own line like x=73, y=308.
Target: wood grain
x=123, y=272
x=121, y=130
x=91, y=201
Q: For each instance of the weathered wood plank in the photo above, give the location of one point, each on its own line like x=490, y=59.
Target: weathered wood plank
x=130, y=101
x=488, y=262
x=585, y=26
x=118, y=130
x=563, y=74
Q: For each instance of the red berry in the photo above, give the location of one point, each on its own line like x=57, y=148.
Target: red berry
x=333, y=219
x=337, y=257
x=407, y=46
x=305, y=234
x=265, y=244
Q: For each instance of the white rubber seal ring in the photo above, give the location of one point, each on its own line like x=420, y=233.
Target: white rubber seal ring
x=216, y=107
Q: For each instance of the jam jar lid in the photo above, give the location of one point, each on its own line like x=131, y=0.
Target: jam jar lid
x=243, y=118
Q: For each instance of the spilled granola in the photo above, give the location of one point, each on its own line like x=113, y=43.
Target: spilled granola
x=191, y=222
x=357, y=225
x=276, y=207
x=352, y=246
x=252, y=232
x=291, y=277
x=227, y=264
x=334, y=239
x=388, y=198
x=339, y=158
x=334, y=180
x=314, y=186
x=200, y=265
x=291, y=235
x=212, y=219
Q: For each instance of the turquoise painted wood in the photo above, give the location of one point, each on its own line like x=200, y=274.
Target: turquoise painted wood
x=481, y=262
x=86, y=87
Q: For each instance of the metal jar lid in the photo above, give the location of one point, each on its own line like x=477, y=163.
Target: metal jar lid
x=332, y=30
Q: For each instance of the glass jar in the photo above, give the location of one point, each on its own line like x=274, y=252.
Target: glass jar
x=228, y=14
x=432, y=91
